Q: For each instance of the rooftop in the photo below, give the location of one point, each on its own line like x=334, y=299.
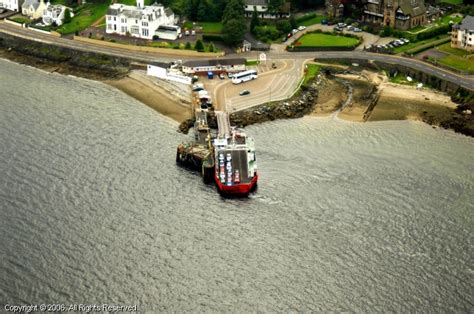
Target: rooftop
x=214, y=62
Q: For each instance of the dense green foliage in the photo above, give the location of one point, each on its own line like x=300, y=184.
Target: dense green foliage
x=234, y=22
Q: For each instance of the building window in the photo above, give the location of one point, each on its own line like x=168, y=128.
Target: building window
x=109, y=26
x=115, y=18
x=123, y=20
x=144, y=23
x=115, y=27
x=145, y=32
x=124, y=29
x=108, y=18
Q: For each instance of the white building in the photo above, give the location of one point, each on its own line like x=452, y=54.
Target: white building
x=140, y=21
x=462, y=35
x=262, y=9
x=33, y=8
x=13, y=5
x=54, y=13
x=228, y=65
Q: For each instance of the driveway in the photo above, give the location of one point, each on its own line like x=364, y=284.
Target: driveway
x=271, y=85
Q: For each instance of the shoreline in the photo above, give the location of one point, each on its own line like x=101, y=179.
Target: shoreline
x=391, y=104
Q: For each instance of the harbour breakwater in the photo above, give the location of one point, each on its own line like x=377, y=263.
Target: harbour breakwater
x=301, y=104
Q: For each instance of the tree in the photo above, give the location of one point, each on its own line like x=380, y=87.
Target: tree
x=255, y=21
x=67, y=16
x=284, y=26
x=274, y=5
x=233, y=10
x=188, y=46
x=211, y=47
x=201, y=11
x=199, y=46
x=293, y=22
x=234, y=30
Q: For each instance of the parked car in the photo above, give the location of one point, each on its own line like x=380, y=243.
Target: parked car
x=324, y=22
x=357, y=30
x=289, y=35
x=283, y=39
x=186, y=33
x=294, y=31
x=337, y=29
x=222, y=76
x=341, y=25
x=350, y=28
x=244, y=92
x=301, y=28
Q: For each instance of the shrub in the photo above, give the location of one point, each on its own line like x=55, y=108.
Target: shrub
x=306, y=17
x=199, y=46
x=188, y=46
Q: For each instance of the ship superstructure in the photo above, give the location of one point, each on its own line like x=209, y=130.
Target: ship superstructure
x=228, y=158
x=235, y=158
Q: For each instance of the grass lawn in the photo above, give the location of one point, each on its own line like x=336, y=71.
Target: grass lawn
x=401, y=79
x=207, y=27
x=454, y=51
x=251, y=62
x=84, y=17
x=458, y=63
x=326, y=40
x=20, y=19
x=311, y=71
x=315, y=20
x=211, y=27
x=451, y=1
x=420, y=43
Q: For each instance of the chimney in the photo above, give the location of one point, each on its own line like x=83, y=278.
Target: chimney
x=140, y=4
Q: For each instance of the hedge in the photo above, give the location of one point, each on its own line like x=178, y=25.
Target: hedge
x=212, y=37
x=306, y=17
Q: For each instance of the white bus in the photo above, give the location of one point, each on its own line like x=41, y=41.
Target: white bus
x=244, y=76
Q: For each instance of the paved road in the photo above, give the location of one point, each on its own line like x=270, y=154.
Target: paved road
x=271, y=85
x=148, y=57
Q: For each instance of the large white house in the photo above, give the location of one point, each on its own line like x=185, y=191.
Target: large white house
x=33, y=8
x=54, y=13
x=140, y=21
x=13, y=5
x=262, y=9
x=462, y=35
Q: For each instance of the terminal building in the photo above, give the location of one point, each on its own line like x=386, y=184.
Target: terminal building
x=214, y=65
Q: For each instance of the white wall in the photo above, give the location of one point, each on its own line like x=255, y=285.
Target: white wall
x=164, y=74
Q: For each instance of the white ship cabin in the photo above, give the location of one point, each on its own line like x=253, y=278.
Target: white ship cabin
x=137, y=21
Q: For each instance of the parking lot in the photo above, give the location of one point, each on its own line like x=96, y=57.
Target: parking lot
x=271, y=85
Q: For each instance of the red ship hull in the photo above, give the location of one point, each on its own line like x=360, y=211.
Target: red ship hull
x=239, y=189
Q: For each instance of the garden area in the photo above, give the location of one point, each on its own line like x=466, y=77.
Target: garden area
x=327, y=41
x=204, y=27
x=84, y=16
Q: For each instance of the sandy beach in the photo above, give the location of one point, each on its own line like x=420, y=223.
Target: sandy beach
x=155, y=94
